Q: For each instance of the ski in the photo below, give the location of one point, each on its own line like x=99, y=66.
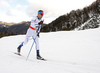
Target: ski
x=17, y=54
x=42, y=59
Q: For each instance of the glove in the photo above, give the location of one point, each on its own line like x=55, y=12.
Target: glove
x=41, y=22
x=38, y=34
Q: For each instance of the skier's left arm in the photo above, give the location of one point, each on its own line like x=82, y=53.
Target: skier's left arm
x=40, y=23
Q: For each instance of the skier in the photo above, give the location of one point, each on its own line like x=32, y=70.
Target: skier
x=33, y=32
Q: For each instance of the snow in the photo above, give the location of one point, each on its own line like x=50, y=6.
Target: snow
x=65, y=51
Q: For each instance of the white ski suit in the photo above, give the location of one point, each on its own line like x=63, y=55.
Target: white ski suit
x=31, y=32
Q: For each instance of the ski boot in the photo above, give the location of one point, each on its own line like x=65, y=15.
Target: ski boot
x=39, y=57
x=19, y=50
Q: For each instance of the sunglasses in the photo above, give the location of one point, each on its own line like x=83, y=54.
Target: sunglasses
x=41, y=14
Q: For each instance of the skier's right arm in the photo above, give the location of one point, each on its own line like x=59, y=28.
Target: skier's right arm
x=34, y=21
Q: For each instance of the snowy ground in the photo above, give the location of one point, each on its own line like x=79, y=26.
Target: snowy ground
x=66, y=52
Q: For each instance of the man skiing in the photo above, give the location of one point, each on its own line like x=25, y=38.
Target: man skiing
x=33, y=32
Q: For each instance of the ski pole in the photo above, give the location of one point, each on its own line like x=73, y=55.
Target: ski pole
x=30, y=49
x=33, y=42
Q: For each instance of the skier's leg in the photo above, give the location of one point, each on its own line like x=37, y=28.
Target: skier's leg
x=28, y=35
x=23, y=43
x=37, y=49
x=37, y=44
x=36, y=40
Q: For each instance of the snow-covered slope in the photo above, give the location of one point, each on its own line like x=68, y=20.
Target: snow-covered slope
x=66, y=52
